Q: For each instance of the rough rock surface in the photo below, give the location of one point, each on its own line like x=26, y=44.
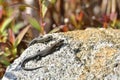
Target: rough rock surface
x=91, y=54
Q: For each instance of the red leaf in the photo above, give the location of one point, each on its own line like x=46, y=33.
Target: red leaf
x=113, y=16
x=64, y=28
x=106, y=18
x=11, y=36
x=3, y=46
x=105, y=25
x=1, y=13
x=43, y=27
x=79, y=17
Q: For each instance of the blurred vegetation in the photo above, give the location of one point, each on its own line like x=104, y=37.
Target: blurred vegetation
x=22, y=20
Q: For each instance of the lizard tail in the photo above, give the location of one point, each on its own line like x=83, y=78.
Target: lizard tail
x=30, y=69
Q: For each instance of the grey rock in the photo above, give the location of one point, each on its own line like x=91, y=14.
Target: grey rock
x=91, y=54
x=61, y=65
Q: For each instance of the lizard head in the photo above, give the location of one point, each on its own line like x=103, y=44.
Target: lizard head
x=59, y=43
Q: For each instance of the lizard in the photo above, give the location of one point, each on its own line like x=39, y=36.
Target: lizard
x=41, y=40
x=43, y=53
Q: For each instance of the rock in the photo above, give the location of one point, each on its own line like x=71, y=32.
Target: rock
x=91, y=54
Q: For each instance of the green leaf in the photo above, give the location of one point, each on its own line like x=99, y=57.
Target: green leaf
x=5, y=62
x=4, y=33
x=55, y=30
x=23, y=6
x=53, y=1
x=34, y=23
x=18, y=26
x=118, y=24
x=6, y=23
x=21, y=35
x=45, y=4
x=1, y=1
x=73, y=20
x=14, y=50
x=6, y=54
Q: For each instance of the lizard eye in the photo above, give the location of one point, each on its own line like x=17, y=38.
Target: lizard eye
x=38, y=50
x=50, y=37
x=61, y=41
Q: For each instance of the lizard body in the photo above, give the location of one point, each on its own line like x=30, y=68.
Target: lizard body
x=41, y=40
x=43, y=53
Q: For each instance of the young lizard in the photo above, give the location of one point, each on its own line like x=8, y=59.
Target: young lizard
x=41, y=40
x=43, y=53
